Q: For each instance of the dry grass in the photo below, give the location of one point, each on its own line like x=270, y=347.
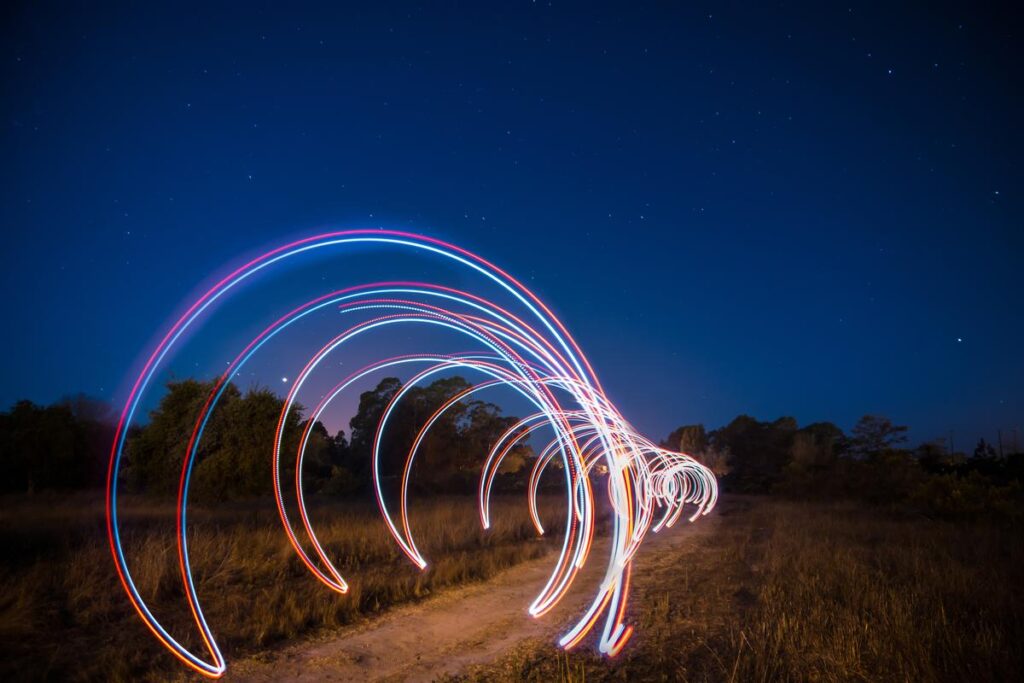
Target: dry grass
x=777, y=592
x=63, y=615
x=870, y=598
x=802, y=592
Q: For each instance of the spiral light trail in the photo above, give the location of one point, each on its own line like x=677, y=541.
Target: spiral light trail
x=530, y=353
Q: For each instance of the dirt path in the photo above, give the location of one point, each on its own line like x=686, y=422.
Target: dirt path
x=457, y=629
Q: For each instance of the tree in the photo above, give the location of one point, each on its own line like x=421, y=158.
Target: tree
x=43, y=448
x=363, y=424
x=760, y=450
x=984, y=450
x=319, y=458
x=693, y=441
x=237, y=460
x=718, y=460
x=933, y=458
x=233, y=456
x=97, y=420
x=154, y=453
x=828, y=438
x=689, y=439
x=875, y=434
x=805, y=452
x=515, y=461
x=452, y=450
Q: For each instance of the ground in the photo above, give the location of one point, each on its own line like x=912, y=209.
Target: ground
x=760, y=589
x=466, y=627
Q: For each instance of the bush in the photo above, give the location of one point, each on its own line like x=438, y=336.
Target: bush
x=971, y=496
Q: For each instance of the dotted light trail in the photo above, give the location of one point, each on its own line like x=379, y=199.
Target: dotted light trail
x=528, y=351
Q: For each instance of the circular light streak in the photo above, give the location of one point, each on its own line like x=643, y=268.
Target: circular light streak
x=529, y=352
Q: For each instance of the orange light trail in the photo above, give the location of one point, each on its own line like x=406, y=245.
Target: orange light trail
x=523, y=348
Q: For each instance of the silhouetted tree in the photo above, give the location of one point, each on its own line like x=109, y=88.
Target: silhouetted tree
x=153, y=455
x=237, y=462
x=42, y=448
x=812, y=465
x=875, y=434
x=97, y=421
x=364, y=423
x=933, y=457
x=693, y=440
x=233, y=459
x=718, y=459
x=689, y=439
x=449, y=456
x=984, y=450
x=760, y=451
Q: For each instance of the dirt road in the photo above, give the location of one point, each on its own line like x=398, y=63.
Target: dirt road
x=457, y=629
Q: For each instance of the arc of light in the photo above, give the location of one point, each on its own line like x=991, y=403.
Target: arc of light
x=561, y=563
x=565, y=569
x=408, y=548
x=354, y=236
x=408, y=385
x=614, y=436
x=407, y=544
x=336, y=582
x=493, y=462
x=455, y=360
x=502, y=378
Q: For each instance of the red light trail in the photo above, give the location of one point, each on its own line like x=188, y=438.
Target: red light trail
x=529, y=352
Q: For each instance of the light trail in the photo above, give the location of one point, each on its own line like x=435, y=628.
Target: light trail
x=530, y=352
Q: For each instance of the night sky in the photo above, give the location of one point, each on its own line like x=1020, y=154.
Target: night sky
x=791, y=210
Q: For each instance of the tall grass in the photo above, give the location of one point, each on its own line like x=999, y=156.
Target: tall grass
x=813, y=592
x=853, y=596
x=64, y=616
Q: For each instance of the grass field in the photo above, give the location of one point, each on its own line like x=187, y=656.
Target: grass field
x=810, y=592
x=64, y=616
x=775, y=591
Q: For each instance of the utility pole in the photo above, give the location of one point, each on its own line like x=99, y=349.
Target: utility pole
x=951, y=449
x=999, y=433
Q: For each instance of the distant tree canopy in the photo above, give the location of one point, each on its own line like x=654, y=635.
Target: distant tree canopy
x=875, y=434
x=234, y=459
x=693, y=440
x=820, y=461
x=66, y=446
x=58, y=447
x=690, y=439
x=759, y=450
x=452, y=452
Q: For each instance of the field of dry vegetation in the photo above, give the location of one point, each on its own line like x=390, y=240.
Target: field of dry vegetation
x=63, y=615
x=786, y=591
x=776, y=591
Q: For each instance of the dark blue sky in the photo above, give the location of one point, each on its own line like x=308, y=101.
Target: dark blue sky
x=790, y=210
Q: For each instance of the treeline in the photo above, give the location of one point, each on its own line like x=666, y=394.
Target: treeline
x=66, y=446
x=872, y=464
x=57, y=447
